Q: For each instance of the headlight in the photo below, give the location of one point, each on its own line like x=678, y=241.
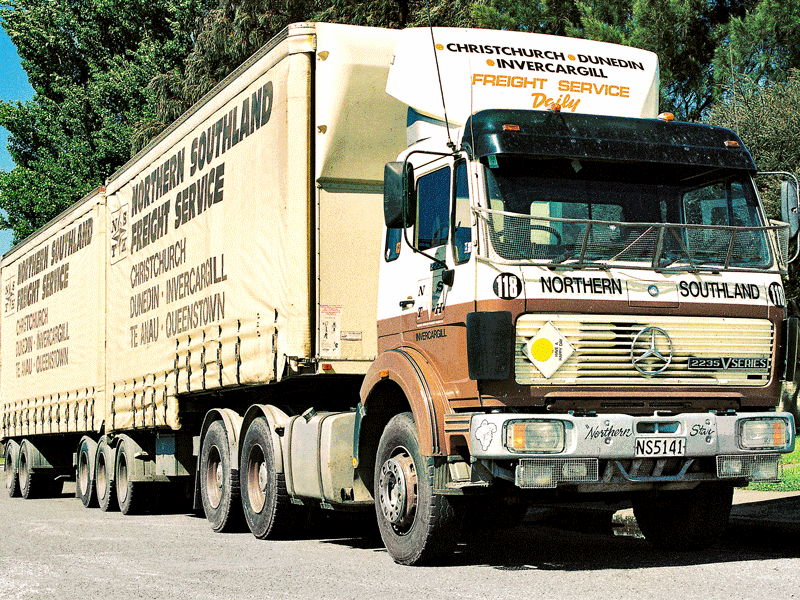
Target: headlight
x=545, y=437
x=764, y=434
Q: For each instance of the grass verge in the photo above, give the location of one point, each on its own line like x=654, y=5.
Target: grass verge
x=791, y=476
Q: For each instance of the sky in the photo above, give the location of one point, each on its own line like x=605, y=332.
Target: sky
x=13, y=86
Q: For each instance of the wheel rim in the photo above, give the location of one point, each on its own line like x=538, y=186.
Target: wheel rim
x=214, y=477
x=23, y=470
x=9, y=468
x=257, y=478
x=83, y=473
x=122, y=479
x=397, y=491
x=102, y=481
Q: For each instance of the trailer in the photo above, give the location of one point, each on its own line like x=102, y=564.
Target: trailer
x=438, y=274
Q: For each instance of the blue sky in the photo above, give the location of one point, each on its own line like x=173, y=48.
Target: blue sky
x=13, y=86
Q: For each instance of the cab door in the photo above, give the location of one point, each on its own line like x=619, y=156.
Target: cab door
x=428, y=275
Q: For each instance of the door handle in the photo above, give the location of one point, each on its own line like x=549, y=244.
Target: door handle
x=406, y=303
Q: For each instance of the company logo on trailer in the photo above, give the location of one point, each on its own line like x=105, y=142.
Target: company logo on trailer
x=119, y=233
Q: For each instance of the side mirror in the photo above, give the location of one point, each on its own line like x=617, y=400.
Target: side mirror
x=398, y=192
x=789, y=207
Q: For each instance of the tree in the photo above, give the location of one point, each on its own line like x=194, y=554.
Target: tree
x=235, y=29
x=766, y=116
x=89, y=63
x=686, y=34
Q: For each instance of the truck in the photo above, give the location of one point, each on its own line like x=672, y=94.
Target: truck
x=442, y=274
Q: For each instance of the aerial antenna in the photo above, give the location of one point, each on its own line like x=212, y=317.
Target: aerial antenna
x=733, y=87
x=450, y=143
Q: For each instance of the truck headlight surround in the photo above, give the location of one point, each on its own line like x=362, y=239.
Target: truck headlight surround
x=537, y=436
x=766, y=433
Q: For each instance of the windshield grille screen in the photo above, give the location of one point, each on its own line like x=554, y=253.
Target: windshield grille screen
x=577, y=243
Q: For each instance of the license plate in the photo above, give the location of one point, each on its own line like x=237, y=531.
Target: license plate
x=656, y=446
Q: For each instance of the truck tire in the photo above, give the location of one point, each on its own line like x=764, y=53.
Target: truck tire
x=267, y=508
x=30, y=484
x=417, y=526
x=219, y=483
x=684, y=519
x=104, y=476
x=84, y=473
x=10, y=466
x=131, y=496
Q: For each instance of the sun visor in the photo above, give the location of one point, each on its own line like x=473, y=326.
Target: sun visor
x=483, y=69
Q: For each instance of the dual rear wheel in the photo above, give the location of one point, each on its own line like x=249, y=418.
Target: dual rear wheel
x=255, y=494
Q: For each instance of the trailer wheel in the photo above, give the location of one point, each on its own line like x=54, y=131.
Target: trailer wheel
x=29, y=481
x=219, y=483
x=104, y=476
x=684, y=519
x=417, y=526
x=131, y=496
x=84, y=476
x=267, y=507
x=10, y=466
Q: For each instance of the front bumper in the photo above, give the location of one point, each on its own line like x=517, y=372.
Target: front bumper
x=614, y=449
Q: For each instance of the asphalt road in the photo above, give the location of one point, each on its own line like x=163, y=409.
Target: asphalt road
x=55, y=548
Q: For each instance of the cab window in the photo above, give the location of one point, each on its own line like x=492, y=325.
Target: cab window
x=433, y=209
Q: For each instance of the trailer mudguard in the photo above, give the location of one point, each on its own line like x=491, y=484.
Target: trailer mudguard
x=36, y=459
x=233, y=426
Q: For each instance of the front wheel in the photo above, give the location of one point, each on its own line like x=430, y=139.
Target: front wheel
x=416, y=525
x=684, y=519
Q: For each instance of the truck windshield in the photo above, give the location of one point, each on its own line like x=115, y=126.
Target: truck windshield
x=638, y=215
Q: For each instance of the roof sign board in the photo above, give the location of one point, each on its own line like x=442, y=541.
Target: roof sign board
x=483, y=69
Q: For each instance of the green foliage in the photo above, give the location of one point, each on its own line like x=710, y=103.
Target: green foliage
x=89, y=62
x=766, y=116
x=235, y=29
x=110, y=75
x=791, y=476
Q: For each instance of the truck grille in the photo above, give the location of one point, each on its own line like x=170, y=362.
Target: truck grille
x=602, y=350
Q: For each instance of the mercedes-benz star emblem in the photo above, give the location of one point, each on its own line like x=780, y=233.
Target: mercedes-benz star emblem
x=654, y=352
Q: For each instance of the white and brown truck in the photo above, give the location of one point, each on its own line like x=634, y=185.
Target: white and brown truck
x=446, y=273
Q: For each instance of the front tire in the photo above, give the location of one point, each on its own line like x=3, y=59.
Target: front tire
x=685, y=519
x=416, y=525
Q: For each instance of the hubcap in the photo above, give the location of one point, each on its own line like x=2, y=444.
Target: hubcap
x=101, y=477
x=122, y=479
x=397, y=491
x=9, y=468
x=23, y=471
x=257, y=479
x=83, y=473
x=214, y=477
